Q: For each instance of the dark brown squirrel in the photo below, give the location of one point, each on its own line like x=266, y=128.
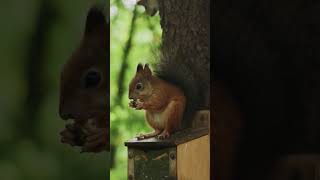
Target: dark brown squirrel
x=83, y=91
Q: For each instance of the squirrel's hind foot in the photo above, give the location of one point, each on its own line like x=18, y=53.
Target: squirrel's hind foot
x=164, y=135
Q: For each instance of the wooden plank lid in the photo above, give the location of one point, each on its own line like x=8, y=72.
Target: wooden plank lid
x=175, y=139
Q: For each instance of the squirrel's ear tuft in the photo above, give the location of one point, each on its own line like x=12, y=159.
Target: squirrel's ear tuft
x=146, y=66
x=139, y=68
x=147, y=70
x=96, y=22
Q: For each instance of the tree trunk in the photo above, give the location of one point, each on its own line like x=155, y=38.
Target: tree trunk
x=186, y=35
x=186, y=39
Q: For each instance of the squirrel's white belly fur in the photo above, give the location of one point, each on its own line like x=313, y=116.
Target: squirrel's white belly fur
x=158, y=121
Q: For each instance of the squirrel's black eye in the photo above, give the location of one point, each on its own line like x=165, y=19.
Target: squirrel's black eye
x=139, y=86
x=92, y=79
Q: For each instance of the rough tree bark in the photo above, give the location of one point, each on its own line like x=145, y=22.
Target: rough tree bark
x=186, y=35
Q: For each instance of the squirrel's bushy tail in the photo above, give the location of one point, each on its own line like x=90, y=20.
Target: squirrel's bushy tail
x=184, y=75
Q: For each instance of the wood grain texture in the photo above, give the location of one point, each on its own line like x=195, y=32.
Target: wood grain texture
x=193, y=159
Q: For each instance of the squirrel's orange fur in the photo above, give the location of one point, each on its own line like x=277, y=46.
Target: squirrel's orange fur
x=163, y=102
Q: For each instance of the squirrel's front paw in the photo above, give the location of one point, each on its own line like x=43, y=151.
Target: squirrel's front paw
x=139, y=105
x=72, y=135
x=96, y=140
x=132, y=104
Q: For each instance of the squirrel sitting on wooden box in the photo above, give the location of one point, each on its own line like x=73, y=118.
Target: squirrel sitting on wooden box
x=164, y=102
x=170, y=96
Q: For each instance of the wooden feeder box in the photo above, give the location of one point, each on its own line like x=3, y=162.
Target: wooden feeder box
x=183, y=156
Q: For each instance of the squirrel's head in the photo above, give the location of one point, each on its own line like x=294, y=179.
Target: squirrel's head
x=84, y=83
x=141, y=85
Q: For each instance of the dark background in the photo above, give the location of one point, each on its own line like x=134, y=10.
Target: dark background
x=267, y=54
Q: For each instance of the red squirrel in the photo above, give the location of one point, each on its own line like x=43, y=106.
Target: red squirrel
x=84, y=84
x=164, y=103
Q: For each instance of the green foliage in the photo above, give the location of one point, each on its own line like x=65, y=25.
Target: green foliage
x=125, y=122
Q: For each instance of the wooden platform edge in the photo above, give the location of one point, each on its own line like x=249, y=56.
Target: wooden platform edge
x=177, y=138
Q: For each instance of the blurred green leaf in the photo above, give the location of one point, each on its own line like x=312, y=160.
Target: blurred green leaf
x=125, y=122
